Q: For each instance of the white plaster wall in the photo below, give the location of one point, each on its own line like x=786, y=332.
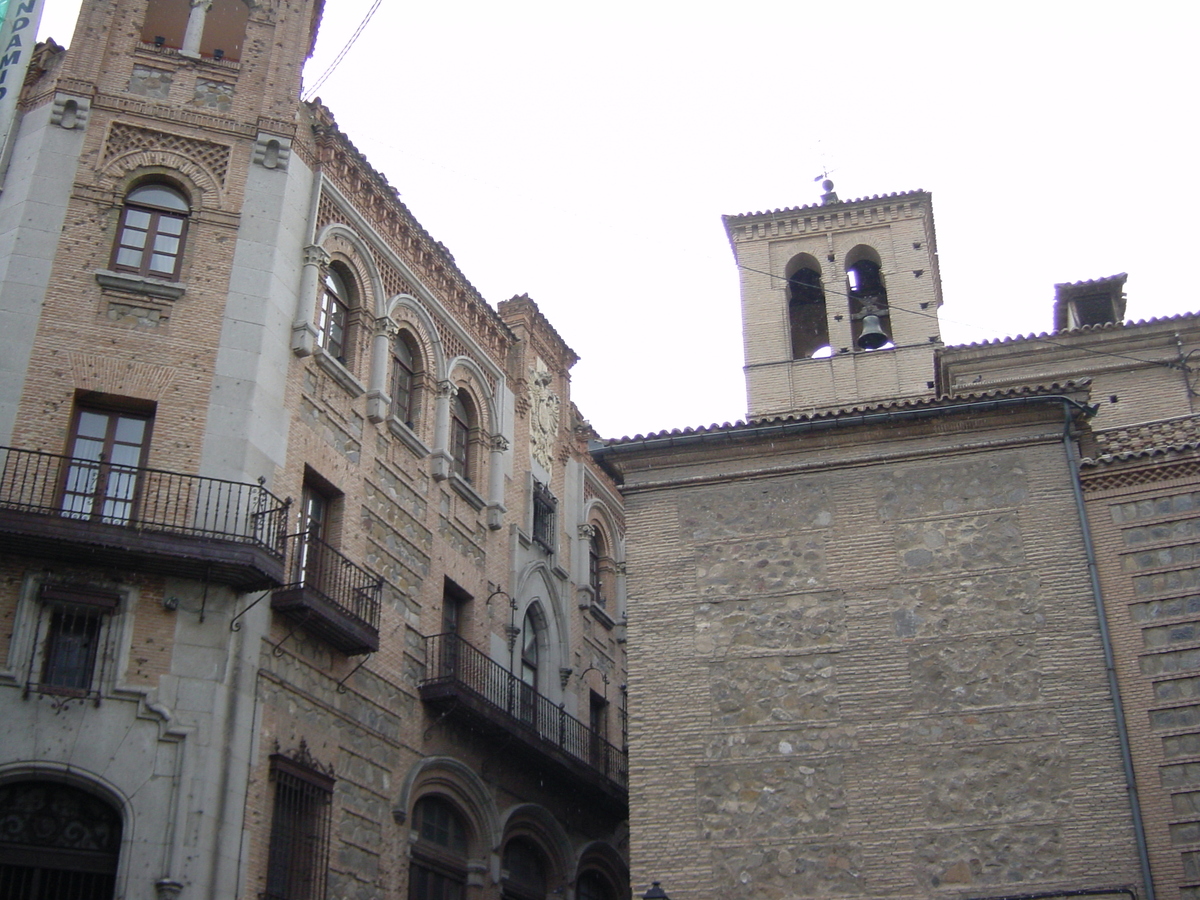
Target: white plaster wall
x=33, y=205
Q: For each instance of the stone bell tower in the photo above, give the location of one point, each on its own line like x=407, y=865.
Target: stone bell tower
x=839, y=302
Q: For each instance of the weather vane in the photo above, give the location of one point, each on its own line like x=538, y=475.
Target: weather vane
x=827, y=185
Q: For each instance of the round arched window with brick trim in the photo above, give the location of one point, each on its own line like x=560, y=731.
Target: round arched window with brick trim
x=153, y=229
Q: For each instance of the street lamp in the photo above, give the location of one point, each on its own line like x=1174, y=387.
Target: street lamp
x=656, y=892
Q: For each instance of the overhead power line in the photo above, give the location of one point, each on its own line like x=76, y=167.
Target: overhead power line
x=311, y=92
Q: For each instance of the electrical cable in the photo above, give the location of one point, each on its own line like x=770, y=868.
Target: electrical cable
x=1032, y=338
x=308, y=94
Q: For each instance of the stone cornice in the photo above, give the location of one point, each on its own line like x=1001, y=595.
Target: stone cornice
x=347, y=168
x=822, y=219
x=159, y=113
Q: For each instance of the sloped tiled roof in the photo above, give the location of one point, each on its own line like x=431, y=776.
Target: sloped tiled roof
x=1085, y=329
x=871, y=411
x=1146, y=440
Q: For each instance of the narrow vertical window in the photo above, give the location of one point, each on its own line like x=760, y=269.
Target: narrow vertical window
x=869, y=312
x=530, y=660
x=806, y=312
x=544, y=506
x=460, y=436
x=404, y=372
x=151, y=235
x=334, y=314
x=595, y=569
x=298, y=857
x=598, y=723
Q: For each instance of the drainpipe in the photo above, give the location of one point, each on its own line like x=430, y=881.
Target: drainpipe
x=1110, y=669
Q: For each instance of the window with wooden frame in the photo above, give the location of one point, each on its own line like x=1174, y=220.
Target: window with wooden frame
x=152, y=232
x=405, y=369
x=439, y=856
x=595, y=566
x=72, y=641
x=544, y=508
x=333, y=317
x=298, y=857
x=462, y=423
x=108, y=448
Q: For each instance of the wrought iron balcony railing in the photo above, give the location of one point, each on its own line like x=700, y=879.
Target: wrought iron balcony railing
x=330, y=596
x=142, y=518
x=457, y=670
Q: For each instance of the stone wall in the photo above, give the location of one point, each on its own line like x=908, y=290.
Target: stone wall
x=868, y=680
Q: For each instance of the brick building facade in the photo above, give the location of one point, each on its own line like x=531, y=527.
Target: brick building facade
x=309, y=585
x=312, y=588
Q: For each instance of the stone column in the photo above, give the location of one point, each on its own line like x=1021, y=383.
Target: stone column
x=304, y=332
x=379, y=402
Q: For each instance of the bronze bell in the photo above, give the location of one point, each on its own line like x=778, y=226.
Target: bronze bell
x=873, y=336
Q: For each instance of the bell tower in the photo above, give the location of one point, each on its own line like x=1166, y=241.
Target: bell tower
x=839, y=302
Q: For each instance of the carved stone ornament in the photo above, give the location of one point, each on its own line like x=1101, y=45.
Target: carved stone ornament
x=546, y=410
x=272, y=151
x=499, y=442
x=316, y=255
x=69, y=112
x=446, y=390
x=587, y=531
x=386, y=327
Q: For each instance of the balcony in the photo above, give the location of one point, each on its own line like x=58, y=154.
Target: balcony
x=460, y=680
x=330, y=597
x=89, y=512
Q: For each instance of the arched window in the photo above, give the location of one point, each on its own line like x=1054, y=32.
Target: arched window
x=57, y=841
x=524, y=868
x=334, y=315
x=531, y=661
x=593, y=886
x=807, y=319
x=868, y=297
x=439, y=856
x=595, y=561
x=151, y=235
x=405, y=368
x=462, y=424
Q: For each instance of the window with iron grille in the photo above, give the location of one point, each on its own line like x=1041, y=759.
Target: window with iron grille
x=298, y=859
x=75, y=648
x=57, y=843
x=544, y=506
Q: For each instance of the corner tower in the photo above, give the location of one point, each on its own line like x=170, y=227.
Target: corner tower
x=839, y=302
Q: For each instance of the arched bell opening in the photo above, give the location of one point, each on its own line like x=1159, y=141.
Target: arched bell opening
x=808, y=323
x=870, y=315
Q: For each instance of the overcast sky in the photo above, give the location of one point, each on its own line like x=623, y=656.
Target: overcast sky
x=584, y=154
